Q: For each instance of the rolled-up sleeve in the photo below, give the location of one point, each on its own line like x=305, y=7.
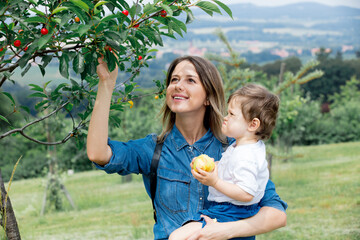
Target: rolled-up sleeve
x=272, y=199
x=133, y=156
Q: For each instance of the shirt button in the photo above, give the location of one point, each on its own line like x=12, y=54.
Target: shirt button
x=201, y=198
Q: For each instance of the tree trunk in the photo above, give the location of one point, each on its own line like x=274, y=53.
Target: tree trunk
x=11, y=228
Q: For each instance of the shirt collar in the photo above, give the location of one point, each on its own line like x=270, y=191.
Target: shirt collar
x=179, y=141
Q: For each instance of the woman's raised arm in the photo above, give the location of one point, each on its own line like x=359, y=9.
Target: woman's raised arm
x=97, y=148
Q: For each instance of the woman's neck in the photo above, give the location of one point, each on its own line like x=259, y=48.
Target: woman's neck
x=191, y=129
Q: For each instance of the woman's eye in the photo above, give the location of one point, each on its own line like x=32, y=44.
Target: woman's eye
x=173, y=79
x=192, y=80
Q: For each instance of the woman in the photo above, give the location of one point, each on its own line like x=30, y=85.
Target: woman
x=192, y=118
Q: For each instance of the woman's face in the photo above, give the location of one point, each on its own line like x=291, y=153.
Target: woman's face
x=186, y=93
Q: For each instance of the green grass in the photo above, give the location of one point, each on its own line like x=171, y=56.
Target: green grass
x=321, y=186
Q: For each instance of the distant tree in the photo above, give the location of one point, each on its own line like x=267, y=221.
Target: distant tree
x=336, y=72
x=357, y=53
x=292, y=64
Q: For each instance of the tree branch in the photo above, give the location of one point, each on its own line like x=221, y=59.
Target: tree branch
x=156, y=13
x=36, y=54
x=21, y=130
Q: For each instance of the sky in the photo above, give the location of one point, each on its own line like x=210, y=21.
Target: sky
x=349, y=3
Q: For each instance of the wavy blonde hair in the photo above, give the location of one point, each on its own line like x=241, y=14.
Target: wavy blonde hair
x=212, y=82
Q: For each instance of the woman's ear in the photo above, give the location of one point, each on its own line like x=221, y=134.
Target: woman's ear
x=254, y=125
x=207, y=102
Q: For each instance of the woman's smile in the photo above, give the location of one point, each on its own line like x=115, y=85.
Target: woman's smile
x=186, y=93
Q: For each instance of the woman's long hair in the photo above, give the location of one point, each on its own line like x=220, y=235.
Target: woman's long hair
x=212, y=82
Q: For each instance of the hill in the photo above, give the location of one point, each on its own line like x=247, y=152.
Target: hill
x=299, y=26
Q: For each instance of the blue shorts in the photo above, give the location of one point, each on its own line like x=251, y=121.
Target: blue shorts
x=226, y=212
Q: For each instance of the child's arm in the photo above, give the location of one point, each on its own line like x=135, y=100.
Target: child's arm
x=229, y=189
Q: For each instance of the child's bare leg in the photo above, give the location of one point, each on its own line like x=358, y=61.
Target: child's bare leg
x=185, y=231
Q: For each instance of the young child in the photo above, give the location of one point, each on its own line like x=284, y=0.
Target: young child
x=238, y=181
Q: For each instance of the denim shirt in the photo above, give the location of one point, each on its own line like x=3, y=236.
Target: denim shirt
x=178, y=194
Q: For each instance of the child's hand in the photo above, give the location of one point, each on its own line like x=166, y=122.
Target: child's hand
x=206, y=178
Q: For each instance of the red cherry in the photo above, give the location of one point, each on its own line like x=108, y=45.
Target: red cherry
x=125, y=12
x=17, y=43
x=44, y=31
x=139, y=57
x=26, y=48
x=136, y=25
x=1, y=49
x=163, y=13
x=108, y=48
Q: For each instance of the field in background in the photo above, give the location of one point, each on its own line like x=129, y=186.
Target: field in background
x=321, y=186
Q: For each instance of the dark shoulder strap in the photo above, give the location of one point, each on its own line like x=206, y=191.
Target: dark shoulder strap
x=225, y=145
x=153, y=173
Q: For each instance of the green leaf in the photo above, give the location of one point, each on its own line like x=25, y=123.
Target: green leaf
x=78, y=63
x=59, y=9
x=69, y=106
x=24, y=59
x=60, y=87
x=114, y=36
x=64, y=65
x=175, y=27
x=25, y=108
x=128, y=89
x=208, y=7
x=75, y=85
x=179, y=23
x=40, y=104
x=149, y=8
x=36, y=87
x=110, y=59
x=47, y=83
x=100, y=3
x=226, y=8
x=26, y=69
x=158, y=39
x=34, y=2
x=10, y=97
x=4, y=119
x=149, y=33
x=44, y=39
x=35, y=20
x=117, y=107
x=37, y=11
x=110, y=17
x=152, y=50
x=38, y=94
x=80, y=4
x=167, y=9
x=46, y=59
x=84, y=28
x=42, y=70
x=189, y=16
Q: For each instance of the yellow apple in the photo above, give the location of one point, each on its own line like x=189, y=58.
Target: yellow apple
x=204, y=162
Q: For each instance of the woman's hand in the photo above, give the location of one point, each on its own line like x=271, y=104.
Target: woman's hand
x=212, y=231
x=105, y=76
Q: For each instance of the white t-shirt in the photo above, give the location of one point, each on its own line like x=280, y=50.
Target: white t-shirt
x=245, y=166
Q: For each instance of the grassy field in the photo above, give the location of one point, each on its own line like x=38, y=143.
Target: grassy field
x=321, y=186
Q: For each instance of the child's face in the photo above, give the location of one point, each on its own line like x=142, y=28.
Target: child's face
x=234, y=124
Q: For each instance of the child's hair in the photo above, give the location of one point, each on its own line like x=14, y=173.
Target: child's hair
x=258, y=102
